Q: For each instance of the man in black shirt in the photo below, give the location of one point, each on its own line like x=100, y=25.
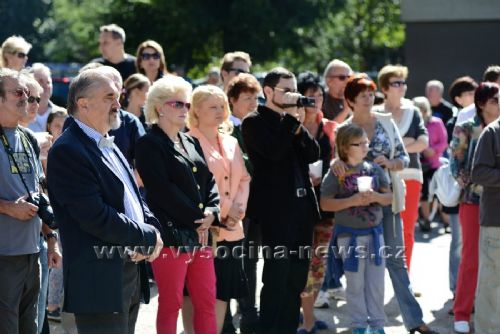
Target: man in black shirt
x=440, y=107
x=282, y=199
x=111, y=45
x=336, y=74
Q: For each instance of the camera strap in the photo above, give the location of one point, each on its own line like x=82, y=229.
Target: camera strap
x=10, y=152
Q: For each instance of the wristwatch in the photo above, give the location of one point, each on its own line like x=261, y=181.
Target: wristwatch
x=52, y=234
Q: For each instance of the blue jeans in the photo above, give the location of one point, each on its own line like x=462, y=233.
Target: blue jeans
x=44, y=283
x=395, y=263
x=330, y=281
x=455, y=250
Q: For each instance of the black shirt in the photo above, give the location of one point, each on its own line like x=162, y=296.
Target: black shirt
x=332, y=107
x=126, y=67
x=443, y=110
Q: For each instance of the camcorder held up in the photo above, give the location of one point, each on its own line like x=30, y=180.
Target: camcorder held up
x=306, y=102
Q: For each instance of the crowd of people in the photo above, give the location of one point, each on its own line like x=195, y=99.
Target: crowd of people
x=144, y=179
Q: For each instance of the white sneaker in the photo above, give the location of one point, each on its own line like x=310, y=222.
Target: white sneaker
x=338, y=293
x=461, y=327
x=322, y=300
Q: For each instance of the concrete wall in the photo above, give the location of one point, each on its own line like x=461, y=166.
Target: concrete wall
x=446, y=39
x=449, y=10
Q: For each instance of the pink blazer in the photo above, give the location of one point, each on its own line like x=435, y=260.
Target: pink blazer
x=230, y=175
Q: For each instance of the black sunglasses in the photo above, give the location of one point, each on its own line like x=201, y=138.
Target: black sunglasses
x=32, y=99
x=147, y=56
x=238, y=70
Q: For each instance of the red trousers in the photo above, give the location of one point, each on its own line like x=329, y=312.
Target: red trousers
x=196, y=268
x=409, y=216
x=467, y=272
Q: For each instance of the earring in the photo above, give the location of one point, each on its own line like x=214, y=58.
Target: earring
x=161, y=114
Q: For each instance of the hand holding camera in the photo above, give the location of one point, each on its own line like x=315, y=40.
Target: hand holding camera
x=41, y=201
x=23, y=209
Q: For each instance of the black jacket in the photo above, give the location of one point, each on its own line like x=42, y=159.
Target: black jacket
x=178, y=187
x=87, y=198
x=273, y=148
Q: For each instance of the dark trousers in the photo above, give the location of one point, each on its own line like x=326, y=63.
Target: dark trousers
x=283, y=281
x=119, y=323
x=251, y=244
x=19, y=289
x=284, y=277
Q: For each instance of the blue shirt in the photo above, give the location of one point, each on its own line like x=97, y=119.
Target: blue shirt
x=118, y=164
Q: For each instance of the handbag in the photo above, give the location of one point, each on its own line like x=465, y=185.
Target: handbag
x=444, y=186
x=398, y=185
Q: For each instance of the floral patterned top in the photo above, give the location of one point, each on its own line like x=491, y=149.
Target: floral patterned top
x=462, y=145
x=380, y=145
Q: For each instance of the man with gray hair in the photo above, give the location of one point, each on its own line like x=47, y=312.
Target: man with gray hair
x=20, y=171
x=440, y=107
x=42, y=74
x=105, y=227
x=112, y=47
x=336, y=74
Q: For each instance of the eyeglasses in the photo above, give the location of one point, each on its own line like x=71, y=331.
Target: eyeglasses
x=147, y=56
x=286, y=90
x=365, y=143
x=178, y=104
x=238, y=70
x=341, y=77
x=33, y=99
x=397, y=84
x=19, y=92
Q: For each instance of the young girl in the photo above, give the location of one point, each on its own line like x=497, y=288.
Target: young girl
x=358, y=229
x=55, y=123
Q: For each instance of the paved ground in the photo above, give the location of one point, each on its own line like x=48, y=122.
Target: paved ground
x=429, y=277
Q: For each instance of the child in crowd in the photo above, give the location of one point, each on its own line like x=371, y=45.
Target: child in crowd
x=358, y=228
x=55, y=122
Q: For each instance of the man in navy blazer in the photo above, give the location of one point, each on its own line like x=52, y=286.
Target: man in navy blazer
x=106, y=229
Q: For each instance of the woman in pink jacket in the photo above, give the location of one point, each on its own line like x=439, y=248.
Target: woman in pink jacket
x=208, y=121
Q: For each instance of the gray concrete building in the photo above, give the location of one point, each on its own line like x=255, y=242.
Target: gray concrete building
x=446, y=39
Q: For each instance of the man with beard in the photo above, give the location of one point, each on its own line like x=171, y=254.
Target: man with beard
x=106, y=229
x=20, y=225
x=282, y=200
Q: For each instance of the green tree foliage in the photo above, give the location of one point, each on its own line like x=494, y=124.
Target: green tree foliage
x=299, y=34
x=23, y=17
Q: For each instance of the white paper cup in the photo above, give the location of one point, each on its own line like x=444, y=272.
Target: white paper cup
x=316, y=169
x=364, y=183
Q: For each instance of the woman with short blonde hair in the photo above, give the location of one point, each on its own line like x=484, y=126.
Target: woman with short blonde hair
x=182, y=194
x=208, y=121
x=15, y=51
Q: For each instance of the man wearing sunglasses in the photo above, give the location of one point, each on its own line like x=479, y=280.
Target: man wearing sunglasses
x=19, y=223
x=336, y=74
x=233, y=64
x=282, y=200
x=112, y=47
x=15, y=51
